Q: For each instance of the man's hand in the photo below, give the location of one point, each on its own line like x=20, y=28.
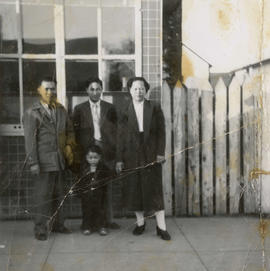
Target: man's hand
x=35, y=170
x=68, y=155
x=119, y=167
x=160, y=159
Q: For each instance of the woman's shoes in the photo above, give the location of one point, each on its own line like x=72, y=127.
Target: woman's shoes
x=139, y=229
x=163, y=234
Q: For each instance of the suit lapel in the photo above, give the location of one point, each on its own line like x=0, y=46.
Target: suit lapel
x=147, y=116
x=103, y=113
x=47, y=120
x=88, y=114
x=132, y=117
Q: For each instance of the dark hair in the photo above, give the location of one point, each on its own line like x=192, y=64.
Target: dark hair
x=93, y=80
x=46, y=79
x=94, y=148
x=133, y=79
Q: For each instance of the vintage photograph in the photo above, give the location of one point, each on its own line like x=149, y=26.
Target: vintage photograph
x=134, y=135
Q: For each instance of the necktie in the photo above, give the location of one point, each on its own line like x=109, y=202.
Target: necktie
x=52, y=112
x=96, y=121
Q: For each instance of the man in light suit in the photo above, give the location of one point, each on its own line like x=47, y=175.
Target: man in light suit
x=48, y=132
x=95, y=122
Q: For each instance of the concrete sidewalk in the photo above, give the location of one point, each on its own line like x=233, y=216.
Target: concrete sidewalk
x=216, y=243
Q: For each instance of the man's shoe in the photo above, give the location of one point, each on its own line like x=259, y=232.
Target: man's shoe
x=103, y=232
x=86, y=232
x=61, y=229
x=139, y=229
x=41, y=236
x=163, y=234
x=113, y=226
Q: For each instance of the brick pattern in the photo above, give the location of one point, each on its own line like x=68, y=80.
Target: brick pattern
x=151, y=45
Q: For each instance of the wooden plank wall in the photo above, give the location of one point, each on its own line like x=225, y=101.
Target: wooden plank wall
x=213, y=146
x=179, y=138
x=167, y=166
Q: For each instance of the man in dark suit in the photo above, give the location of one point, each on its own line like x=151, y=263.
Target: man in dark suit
x=48, y=132
x=95, y=122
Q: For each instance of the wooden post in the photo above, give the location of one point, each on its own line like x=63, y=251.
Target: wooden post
x=207, y=148
x=251, y=122
x=234, y=143
x=193, y=146
x=179, y=102
x=220, y=125
x=167, y=166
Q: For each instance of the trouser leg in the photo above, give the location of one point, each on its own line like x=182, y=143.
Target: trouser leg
x=108, y=203
x=86, y=211
x=57, y=200
x=43, y=190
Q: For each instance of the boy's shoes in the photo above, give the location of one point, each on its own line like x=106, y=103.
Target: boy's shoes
x=139, y=229
x=61, y=229
x=103, y=232
x=86, y=232
x=41, y=236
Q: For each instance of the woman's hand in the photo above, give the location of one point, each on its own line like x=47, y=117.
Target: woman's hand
x=35, y=170
x=119, y=167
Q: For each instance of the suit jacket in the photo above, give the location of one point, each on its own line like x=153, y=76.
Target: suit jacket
x=84, y=127
x=45, y=138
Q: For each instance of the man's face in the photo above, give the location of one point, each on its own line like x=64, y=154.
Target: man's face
x=92, y=158
x=94, y=91
x=47, y=91
x=138, y=91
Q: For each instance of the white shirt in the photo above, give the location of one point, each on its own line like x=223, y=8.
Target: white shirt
x=95, y=109
x=139, y=113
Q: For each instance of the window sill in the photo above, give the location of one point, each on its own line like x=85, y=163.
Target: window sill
x=11, y=130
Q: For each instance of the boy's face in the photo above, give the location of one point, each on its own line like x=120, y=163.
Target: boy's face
x=92, y=158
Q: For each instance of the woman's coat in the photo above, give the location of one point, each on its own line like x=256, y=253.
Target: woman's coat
x=143, y=179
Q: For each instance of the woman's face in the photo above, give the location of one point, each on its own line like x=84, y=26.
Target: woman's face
x=137, y=91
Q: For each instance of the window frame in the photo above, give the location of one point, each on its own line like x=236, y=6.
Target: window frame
x=60, y=56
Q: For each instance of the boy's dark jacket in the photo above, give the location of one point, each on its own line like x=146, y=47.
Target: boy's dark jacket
x=85, y=183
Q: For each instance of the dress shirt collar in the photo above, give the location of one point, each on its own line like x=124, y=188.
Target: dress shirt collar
x=94, y=104
x=138, y=104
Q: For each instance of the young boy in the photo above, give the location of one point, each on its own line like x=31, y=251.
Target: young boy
x=92, y=190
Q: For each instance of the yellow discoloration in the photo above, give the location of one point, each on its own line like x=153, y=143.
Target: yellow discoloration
x=47, y=267
x=187, y=67
x=256, y=172
x=219, y=172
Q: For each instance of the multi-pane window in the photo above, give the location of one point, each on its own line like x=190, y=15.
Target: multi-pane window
x=70, y=40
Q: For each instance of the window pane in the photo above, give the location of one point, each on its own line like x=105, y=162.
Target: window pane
x=81, y=30
x=118, y=3
x=118, y=25
x=77, y=72
x=93, y=3
x=117, y=73
x=8, y=29
x=38, y=29
x=33, y=72
x=9, y=92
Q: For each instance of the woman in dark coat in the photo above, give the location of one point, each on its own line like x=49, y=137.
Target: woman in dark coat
x=140, y=153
